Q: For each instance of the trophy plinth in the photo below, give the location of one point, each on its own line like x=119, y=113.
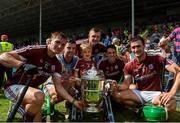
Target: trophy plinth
x=92, y=109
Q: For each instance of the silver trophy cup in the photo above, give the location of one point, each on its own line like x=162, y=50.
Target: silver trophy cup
x=92, y=85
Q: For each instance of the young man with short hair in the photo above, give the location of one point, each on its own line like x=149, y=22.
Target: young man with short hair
x=145, y=71
x=47, y=65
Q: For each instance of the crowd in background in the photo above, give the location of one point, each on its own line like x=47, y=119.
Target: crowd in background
x=122, y=32
x=120, y=38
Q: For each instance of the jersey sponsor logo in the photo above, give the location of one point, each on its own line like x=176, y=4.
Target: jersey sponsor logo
x=150, y=66
x=112, y=74
x=40, y=68
x=139, y=78
x=116, y=67
x=46, y=65
x=44, y=74
x=82, y=65
x=41, y=60
x=53, y=68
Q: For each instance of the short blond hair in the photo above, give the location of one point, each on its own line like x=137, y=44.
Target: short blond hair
x=85, y=46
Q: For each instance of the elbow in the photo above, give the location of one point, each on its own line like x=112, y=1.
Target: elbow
x=178, y=76
x=3, y=55
x=177, y=71
x=3, y=58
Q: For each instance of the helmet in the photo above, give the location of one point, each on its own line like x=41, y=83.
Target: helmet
x=155, y=113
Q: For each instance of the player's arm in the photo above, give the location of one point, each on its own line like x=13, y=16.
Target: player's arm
x=11, y=59
x=174, y=68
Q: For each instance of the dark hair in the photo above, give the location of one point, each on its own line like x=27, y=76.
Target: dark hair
x=137, y=38
x=111, y=46
x=71, y=41
x=95, y=29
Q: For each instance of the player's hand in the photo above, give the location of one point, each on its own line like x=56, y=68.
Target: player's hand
x=165, y=98
x=79, y=104
x=29, y=69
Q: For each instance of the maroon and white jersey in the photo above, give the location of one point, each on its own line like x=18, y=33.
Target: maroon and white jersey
x=146, y=74
x=83, y=65
x=36, y=55
x=112, y=71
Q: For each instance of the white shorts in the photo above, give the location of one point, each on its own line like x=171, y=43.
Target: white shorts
x=13, y=91
x=146, y=96
x=49, y=84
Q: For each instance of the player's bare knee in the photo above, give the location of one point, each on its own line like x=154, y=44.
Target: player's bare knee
x=171, y=106
x=117, y=97
x=40, y=97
